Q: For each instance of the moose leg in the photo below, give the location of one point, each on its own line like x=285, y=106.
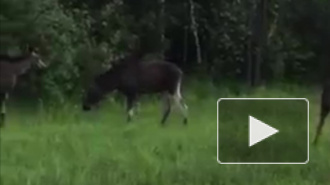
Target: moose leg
x=324, y=113
x=3, y=97
x=183, y=108
x=136, y=105
x=181, y=105
x=166, y=108
x=130, y=101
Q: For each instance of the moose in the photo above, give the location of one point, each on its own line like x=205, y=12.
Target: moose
x=134, y=77
x=325, y=109
x=12, y=67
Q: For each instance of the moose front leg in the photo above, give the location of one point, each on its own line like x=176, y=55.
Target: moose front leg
x=166, y=107
x=324, y=112
x=3, y=97
x=130, y=102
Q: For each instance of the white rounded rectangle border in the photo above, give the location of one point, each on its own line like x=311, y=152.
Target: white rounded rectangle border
x=302, y=99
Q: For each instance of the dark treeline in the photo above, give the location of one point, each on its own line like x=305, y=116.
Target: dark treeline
x=255, y=41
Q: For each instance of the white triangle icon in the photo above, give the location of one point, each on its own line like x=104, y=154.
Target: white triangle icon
x=259, y=131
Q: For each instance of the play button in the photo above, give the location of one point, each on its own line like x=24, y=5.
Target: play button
x=259, y=131
x=262, y=131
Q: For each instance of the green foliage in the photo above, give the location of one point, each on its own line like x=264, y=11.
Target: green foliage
x=79, y=39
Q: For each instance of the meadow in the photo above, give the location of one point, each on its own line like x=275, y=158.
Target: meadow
x=44, y=145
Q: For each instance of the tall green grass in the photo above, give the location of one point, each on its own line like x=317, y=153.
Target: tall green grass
x=44, y=145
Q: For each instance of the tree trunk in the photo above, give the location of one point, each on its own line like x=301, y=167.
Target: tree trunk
x=258, y=42
x=250, y=43
x=185, y=45
x=249, y=48
x=195, y=31
x=249, y=63
x=161, y=27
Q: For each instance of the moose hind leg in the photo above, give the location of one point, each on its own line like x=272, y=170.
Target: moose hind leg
x=183, y=108
x=166, y=108
x=180, y=103
x=324, y=113
x=131, y=100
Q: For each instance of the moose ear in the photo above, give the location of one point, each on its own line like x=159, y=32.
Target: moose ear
x=30, y=48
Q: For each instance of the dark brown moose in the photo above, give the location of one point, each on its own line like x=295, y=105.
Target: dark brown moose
x=10, y=69
x=135, y=77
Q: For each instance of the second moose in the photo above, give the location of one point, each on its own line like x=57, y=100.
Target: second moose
x=133, y=77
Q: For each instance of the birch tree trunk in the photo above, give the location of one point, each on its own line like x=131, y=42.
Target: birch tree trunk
x=195, y=31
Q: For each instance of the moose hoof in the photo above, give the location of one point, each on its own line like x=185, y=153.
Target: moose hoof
x=185, y=121
x=2, y=120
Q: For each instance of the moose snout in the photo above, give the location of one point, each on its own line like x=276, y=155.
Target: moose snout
x=86, y=108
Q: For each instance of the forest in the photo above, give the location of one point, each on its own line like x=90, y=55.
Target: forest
x=252, y=42
x=225, y=48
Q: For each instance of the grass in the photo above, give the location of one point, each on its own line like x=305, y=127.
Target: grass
x=48, y=146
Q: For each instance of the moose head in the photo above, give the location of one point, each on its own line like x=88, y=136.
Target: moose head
x=102, y=84
x=34, y=53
